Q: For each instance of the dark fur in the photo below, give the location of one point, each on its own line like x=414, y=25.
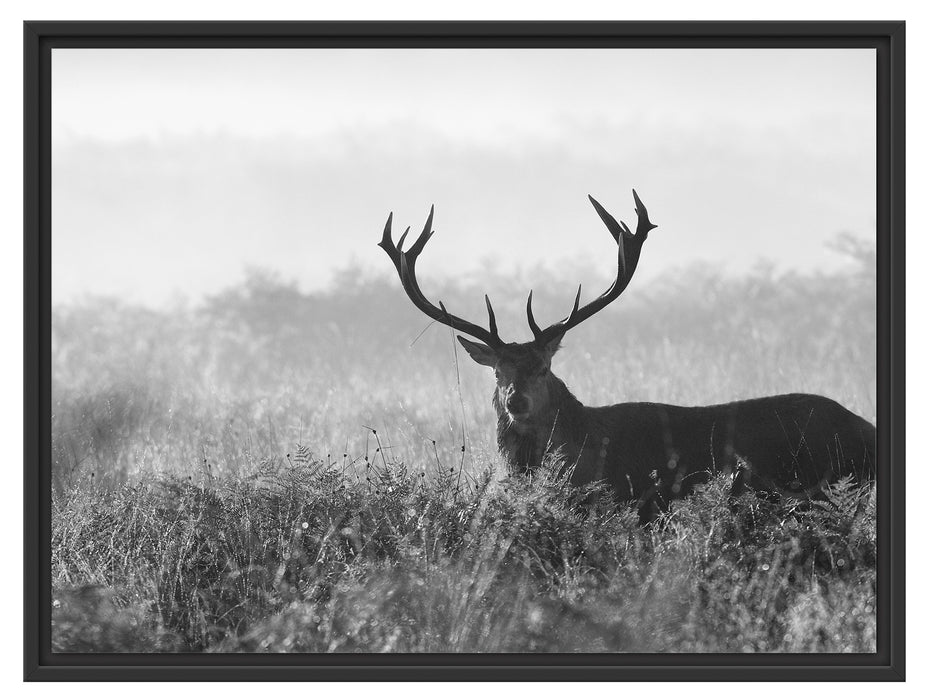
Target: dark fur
x=655, y=452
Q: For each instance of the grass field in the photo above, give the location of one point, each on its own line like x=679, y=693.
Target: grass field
x=277, y=471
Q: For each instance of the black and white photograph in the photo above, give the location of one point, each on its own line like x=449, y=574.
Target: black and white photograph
x=456, y=350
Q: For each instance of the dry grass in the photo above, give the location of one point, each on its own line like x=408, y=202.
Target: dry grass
x=185, y=517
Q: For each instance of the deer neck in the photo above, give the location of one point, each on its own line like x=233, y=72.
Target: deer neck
x=559, y=424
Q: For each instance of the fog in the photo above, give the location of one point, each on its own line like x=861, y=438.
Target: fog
x=177, y=172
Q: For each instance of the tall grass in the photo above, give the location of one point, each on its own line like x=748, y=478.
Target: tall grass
x=186, y=517
x=301, y=558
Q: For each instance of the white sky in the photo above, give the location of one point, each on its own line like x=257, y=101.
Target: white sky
x=174, y=170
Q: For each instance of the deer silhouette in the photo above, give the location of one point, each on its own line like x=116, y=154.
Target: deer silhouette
x=791, y=444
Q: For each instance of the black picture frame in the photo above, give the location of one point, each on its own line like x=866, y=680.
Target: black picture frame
x=886, y=38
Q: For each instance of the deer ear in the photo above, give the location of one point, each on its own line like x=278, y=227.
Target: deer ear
x=552, y=346
x=479, y=352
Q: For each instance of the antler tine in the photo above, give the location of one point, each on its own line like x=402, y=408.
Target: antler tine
x=402, y=238
x=405, y=262
x=628, y=255
x=386, y=241
x=492, y=324
x=615, y=227
x=530, y=320
x=643, y=218
x=575, y=306
x=424, y=235
x=539, y=334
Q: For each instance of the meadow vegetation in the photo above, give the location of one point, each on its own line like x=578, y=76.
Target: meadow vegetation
x=272, y=470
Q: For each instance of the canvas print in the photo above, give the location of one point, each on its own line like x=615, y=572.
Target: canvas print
x=464, y=350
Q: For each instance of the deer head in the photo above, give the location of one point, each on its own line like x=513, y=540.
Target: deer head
x=522, y=370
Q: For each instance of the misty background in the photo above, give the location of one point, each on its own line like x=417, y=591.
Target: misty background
x=175, y=171
x=218, y=294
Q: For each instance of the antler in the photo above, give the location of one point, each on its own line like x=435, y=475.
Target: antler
x=628, y=255
x=405, y=261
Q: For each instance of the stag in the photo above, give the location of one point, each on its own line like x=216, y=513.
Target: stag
x=648, y=452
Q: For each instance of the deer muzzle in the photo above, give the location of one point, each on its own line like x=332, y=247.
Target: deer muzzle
x=517, y=404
